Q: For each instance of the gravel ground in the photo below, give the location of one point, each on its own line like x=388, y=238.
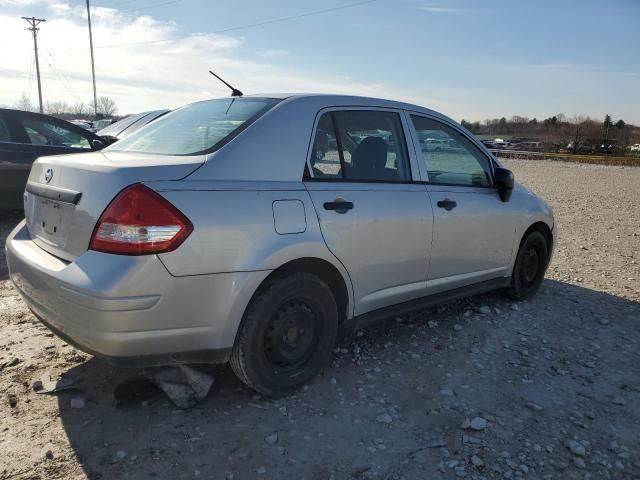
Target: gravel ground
x=479, y=388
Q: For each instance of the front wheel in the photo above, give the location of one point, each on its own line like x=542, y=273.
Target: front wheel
x=530, y=266
x=287, y=334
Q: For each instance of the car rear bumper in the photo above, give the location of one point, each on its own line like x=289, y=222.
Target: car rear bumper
x=130, y=307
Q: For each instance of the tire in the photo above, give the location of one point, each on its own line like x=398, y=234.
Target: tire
x=530, y=267
x=287, y=334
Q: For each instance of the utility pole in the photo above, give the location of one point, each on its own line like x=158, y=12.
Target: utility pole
x=34, y=22
x=93, y=68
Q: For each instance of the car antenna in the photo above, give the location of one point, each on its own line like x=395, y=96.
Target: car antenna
x=234, y=91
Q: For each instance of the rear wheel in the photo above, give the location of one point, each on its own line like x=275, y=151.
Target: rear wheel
x=530, y=266
x=287, y=334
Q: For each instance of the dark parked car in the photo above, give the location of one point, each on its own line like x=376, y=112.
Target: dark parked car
x=130, y=124
x=25, y=136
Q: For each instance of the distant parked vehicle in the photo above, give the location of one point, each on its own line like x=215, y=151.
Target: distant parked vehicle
x=607, y=149
x=527, y=146
x=25, y=136
x=129, y=124
x=583, y=149
x=83, y=124
x=103, y=123
x=635, y=147
x=502, y=144
x=434, y=145
x=497, y=144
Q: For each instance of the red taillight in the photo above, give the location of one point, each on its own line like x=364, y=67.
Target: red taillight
x=140, y=221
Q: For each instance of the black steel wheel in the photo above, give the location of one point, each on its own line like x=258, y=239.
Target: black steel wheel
x=291, y=335
x=530, y=266
x=287, y=334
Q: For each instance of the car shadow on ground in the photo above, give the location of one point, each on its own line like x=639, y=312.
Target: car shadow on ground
x=399, y=367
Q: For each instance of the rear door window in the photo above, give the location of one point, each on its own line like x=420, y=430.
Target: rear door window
x=360, y=146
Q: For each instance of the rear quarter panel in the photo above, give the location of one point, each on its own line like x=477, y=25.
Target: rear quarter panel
x=234, y=228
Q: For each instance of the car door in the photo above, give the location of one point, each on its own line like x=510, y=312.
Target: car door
x=15, y=161
x=473, y=229
x=34, y=136
x=373, y=217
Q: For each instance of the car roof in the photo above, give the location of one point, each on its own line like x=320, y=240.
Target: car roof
x=342, y=99
x=327, y=100
x=277, y=140
x=23, y=111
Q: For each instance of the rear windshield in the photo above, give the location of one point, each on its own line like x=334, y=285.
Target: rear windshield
x=195, y=129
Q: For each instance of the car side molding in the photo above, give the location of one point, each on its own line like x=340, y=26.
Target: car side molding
x=375, y=316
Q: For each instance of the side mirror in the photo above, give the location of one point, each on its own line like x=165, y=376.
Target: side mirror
x=503, y=181
x=98, y=144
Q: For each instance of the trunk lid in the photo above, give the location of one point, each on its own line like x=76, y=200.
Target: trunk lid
x=66, y=194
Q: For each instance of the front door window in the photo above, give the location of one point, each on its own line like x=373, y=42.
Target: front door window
x=449, y=157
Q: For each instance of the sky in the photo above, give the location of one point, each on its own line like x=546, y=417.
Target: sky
x=469, y=59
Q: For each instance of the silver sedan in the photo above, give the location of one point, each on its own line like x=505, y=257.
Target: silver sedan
x=259, y=229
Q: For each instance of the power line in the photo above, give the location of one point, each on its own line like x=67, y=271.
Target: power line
x=58, y=75
x=148, y=7
x=135, y=9
x=63, y=78
x=31, y=67
x=294, y=17
x=117, y=4
x=249, y=25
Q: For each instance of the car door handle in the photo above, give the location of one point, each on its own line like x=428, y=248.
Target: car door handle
x=339, y=205
x=447, y=204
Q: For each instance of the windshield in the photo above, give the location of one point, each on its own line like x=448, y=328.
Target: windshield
x=195, y=129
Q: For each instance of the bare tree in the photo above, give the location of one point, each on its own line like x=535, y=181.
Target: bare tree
x=24, y=103
x=575, y=132
x=56, y=108
x=80, y=109
x=107, y=106
x=519, y=123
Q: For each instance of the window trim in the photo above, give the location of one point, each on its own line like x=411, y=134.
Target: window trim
x=416, y=145
x=348, y=108
x=336, y=133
